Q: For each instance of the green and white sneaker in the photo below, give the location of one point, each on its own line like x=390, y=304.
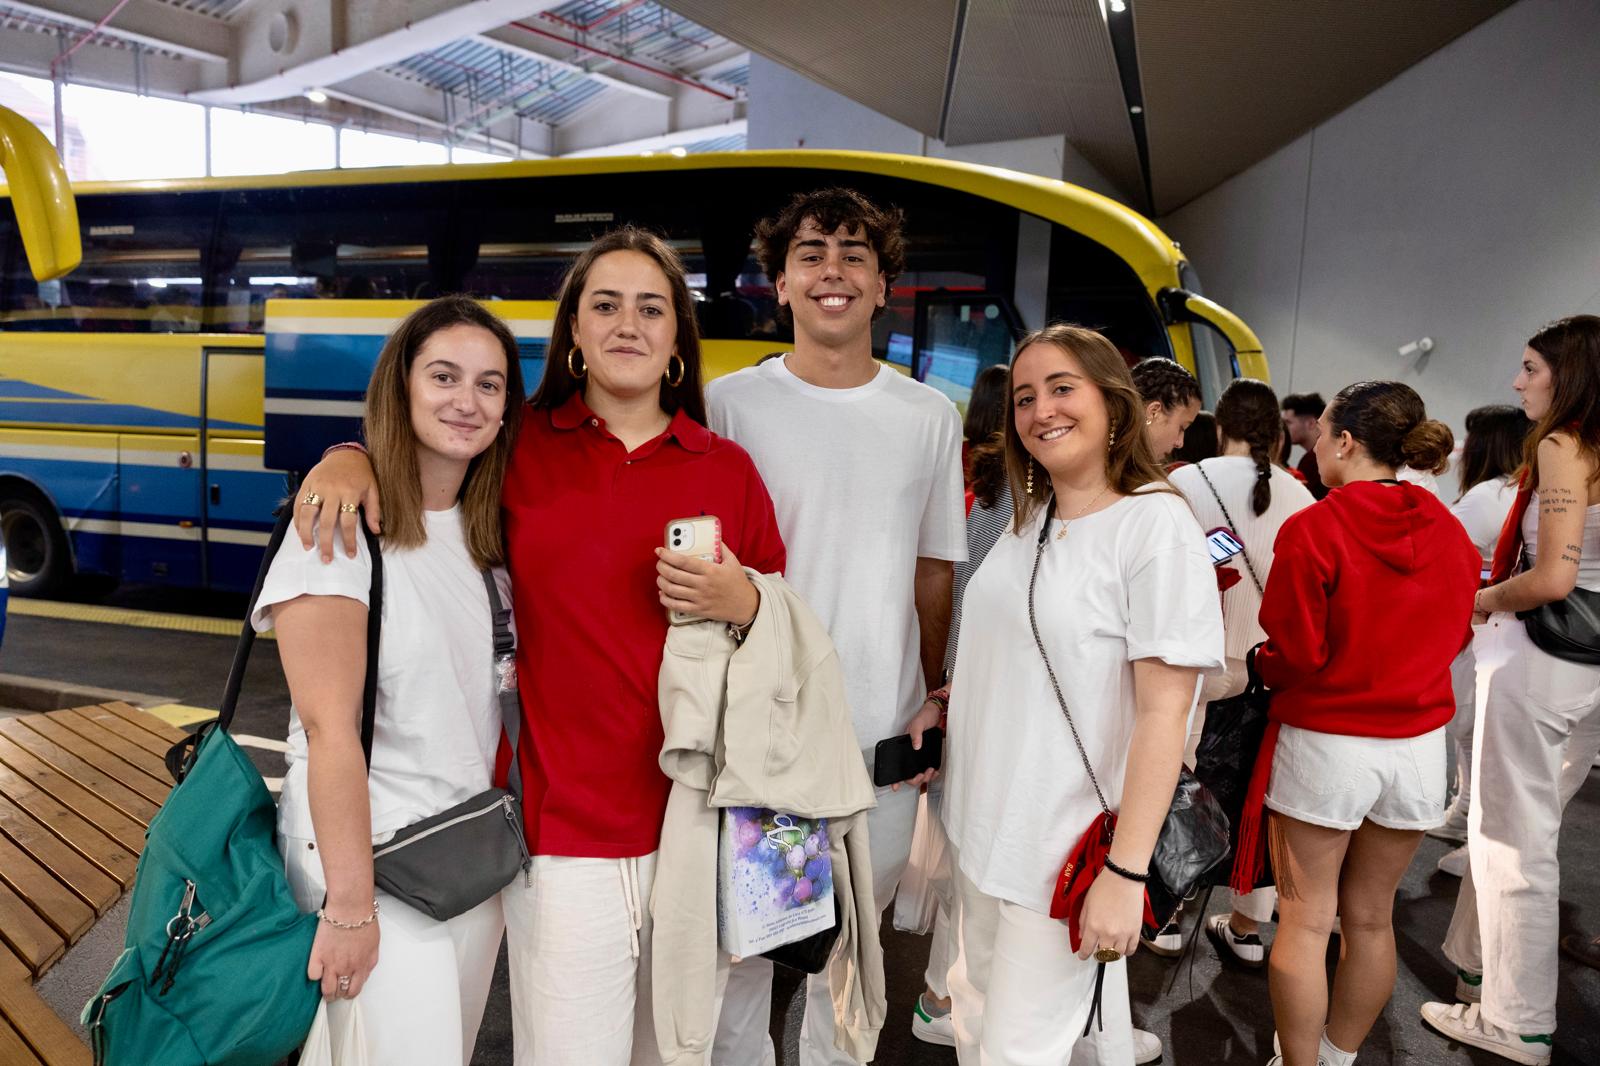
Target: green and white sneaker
x=932, y=1028
x=1469, y=986
x=1462, y=1023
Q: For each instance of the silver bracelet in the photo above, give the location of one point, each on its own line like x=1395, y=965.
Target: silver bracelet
x=323, y=916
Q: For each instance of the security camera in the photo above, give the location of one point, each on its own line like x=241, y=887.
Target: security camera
x=1419, y=347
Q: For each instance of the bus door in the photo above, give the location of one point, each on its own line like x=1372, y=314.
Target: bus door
x=158, y=511
x=238, y=493
x=957, y=335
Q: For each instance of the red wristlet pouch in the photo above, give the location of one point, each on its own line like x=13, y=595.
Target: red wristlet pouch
x=1084, y=863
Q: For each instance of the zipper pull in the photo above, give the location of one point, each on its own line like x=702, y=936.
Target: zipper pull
x=522, y=843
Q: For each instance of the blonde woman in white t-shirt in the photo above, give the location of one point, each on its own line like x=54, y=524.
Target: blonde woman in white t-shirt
x=1125, y=602
x=1244, y=491
x=442, y=412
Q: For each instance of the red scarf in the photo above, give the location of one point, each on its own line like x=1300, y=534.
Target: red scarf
x=1508, y=549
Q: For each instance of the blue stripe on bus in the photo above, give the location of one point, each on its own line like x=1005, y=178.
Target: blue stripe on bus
x=15, y=388
x=102, y=413
x=315, y=394
x=324, y=362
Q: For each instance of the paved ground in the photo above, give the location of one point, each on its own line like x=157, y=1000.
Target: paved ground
x=1209, y=1017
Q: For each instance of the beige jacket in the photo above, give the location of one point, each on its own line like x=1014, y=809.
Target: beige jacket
x=759, y=724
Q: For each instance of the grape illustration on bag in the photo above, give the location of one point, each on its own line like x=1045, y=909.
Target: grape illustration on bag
x=774, y=880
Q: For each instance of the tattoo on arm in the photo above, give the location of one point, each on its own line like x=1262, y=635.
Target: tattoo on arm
x=1569, y=558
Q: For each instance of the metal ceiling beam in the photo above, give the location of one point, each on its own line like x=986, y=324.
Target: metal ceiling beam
x=526, y=45
x=411, y=100
x=144, y=22
x=26, y=52
x=306, y=44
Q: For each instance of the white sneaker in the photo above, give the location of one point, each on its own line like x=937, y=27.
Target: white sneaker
x=1248, y=950
x=1169, y=942
x=1454, y=828
x=1469, y=986
x=932, y=1028
x=1146, y=1047
x=1461, y=1023
x=1454, y=862
x=1277, y=1053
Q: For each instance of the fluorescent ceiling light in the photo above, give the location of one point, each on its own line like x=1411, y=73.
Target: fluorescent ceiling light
x=317, y=96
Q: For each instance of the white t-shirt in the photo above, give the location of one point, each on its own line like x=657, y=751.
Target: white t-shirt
x=1420, y=478
x=438, y=716
x=864, y=481
x=1482, y=511
x=1235, y=479
x=1133, y=581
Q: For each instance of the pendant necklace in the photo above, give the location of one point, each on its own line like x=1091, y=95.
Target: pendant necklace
x=1065, y=521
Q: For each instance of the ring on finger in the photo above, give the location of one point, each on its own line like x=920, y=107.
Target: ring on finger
x=348, y=508
x=312, y=499
x=344, y=985
x=1107, y=955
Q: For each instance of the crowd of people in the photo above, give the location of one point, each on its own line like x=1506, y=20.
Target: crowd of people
x=1037, y=583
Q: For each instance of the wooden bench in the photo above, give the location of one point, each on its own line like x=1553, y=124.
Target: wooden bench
x=77, y=789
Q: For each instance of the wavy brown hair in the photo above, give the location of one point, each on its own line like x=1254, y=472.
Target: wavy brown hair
x=1130, y=464
x=558, y=384
x=393, y=442
x=1495, y=438
x=1572, y=348
x=833, y=209
x=1248, y=413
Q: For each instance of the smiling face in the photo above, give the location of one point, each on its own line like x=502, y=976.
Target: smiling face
x=1060, y=413
x=457, y=385
x=625, y=325
x=1535, y=384
x=1167, y=425
x=831, y=284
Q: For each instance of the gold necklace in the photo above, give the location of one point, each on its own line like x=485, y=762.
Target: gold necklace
x=1065, y=521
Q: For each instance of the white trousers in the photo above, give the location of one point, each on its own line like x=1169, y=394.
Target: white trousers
x=743, y=1037
x=1536, y=736
x=1458, y=732
x=1020, y=997
x=578, y=939
x=424, y=1001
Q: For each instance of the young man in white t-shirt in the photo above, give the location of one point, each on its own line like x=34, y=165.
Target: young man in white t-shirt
x=864, y=468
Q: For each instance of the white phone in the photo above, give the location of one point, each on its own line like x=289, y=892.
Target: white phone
x=1224, y=545
x=700, y=537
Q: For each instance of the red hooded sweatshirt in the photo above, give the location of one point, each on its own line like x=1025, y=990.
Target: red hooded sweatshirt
x=1368, y=602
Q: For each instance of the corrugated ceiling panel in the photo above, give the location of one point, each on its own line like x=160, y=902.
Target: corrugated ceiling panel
x=891, y=57
x=1228, y=82
x=1034, y=68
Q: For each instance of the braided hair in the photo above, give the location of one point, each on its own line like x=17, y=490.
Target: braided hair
x=1164, y=381
x=1247, y=412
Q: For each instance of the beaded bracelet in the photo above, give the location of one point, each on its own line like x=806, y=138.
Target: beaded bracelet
x=323, y=916
x=1142, y=879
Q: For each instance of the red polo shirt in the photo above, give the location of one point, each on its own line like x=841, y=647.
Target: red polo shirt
x=583, y=517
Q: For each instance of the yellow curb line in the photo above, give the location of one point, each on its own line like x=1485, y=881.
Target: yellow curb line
x=178, y=714
x=121, y=616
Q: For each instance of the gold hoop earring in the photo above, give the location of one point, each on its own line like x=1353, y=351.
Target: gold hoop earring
x=574, y=371
x=1030, y=476
x=675, y=380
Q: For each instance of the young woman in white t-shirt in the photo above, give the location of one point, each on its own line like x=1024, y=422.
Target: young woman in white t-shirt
x=1488, y=475
x=1126, y=606
x=1242, y=490
x=440, y=428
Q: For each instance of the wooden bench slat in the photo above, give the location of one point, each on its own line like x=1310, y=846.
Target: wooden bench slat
x=12, y=1048
x=167, y=733
x=139, y=797
x=35, y=942
x=94, y=842
x=121, y=747
x=50, y=1038
x=53, y=901
x=91, y=884
x=129, y=832
x=112, y=722
x=116, y=768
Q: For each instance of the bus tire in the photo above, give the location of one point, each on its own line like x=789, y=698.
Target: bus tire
x=38, y=560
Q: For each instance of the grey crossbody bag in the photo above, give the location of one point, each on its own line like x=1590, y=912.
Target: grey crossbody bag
x=452, y=861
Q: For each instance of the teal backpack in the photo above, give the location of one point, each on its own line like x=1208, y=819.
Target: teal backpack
x=213, y=971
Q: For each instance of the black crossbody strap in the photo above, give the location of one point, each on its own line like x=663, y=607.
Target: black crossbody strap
x=369, y=689
x=1244, y=553
x=505, y=676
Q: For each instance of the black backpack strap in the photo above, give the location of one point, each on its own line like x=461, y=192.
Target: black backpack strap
x=505, y=676
x=180, y=757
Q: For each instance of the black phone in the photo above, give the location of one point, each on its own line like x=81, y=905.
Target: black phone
x=895, y=760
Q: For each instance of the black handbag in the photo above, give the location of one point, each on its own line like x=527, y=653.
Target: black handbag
x=1569, y=628
x=1226, y=757
x=448, y=863
x=1194, y=838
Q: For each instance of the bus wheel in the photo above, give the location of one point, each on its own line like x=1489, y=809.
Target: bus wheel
x=37, y=560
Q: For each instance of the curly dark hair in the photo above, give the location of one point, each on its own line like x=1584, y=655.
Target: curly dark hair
x=831, y=209
x=1164, y=381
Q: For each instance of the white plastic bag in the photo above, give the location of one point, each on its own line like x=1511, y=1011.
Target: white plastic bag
x=927, y=877
x=336, y=1037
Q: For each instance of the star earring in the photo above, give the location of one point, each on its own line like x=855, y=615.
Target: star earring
x=1030, y=477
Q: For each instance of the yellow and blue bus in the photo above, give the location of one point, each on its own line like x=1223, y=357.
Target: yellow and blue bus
x=220, y=332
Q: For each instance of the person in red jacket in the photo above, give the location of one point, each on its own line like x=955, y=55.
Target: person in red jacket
x=1369, y=600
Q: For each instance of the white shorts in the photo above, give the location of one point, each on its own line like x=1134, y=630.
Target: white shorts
x=1340, y=781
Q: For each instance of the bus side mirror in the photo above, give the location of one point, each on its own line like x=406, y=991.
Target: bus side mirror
x=47, y=215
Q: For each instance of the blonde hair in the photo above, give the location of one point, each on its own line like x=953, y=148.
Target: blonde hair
x=393, y=441
x=1130, y=464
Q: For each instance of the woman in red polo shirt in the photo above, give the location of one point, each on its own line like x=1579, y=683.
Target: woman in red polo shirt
x=1369, y=600
x=613, y=447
